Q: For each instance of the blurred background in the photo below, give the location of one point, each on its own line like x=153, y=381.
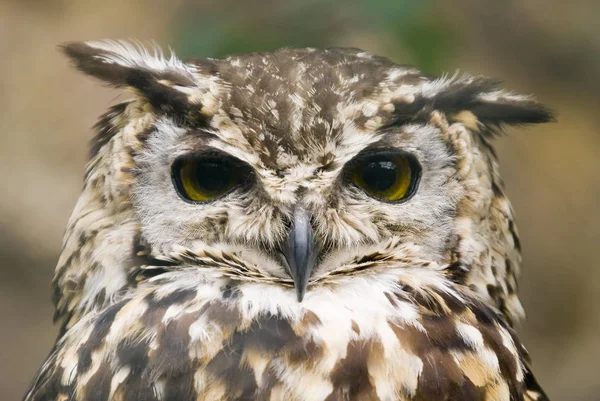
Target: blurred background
x=547, y=47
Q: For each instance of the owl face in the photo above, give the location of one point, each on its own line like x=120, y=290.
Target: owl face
x=299, y=167
x=304, y=163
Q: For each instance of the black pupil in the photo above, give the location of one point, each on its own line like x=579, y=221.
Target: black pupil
x=380, y=174
x=213, y=176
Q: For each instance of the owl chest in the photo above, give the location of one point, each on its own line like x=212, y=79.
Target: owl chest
x=207, y=342
x=325, y=349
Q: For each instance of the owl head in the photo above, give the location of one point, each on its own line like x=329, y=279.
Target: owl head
x=290, y=168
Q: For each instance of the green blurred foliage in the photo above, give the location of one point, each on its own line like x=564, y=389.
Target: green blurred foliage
x=409, y=28
x=413, y=27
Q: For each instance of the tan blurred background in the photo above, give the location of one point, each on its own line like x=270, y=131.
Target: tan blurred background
x=547, y=47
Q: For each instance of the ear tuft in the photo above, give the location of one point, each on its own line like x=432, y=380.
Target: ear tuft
x=161, y=81
x=112, y=61
x=500, y=107
x=483, y=97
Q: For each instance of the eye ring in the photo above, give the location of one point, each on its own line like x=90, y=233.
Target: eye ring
x=389, y=176
x=204, y=178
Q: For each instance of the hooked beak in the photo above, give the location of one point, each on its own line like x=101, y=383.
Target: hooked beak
x=300, y=250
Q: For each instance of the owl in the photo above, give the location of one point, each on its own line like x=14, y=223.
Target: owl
x=303, y=224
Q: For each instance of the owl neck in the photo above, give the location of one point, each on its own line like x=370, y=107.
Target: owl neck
x=99, y=245
x=487, y=253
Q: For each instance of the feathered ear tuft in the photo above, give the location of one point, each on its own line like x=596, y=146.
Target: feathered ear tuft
x=162, y=81
x=475, y=101
x=497, y=108
x=491, y=106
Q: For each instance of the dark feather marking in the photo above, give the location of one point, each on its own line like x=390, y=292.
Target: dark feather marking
x=231, y=291
x=350, y=376
x=310, y=319
x=301, y=352
x=462, y=95
x=457, y=272
x=392, y=299
x=171, y=357
x=178, y=296
x=105, y=129
x=531, y=384
x=268, y=380
x=98, y=386
x=513, y=233
x=441, y=332
x=134, y=354
x=180, y=386
x=60, y=292
x=405, y=113
x=163, y=98
x=466, y=391
x=225, y=314
x=489, y=324
x=430, y=304
x=47, y=384
x=511, y=112
x=270, y=333
x=508, y=363
x=227, y=366
x=141, y=256
x=441, y=377
x=101, y=329
x=483, y=314
x=456, y=305
x=355, y=328
x=136, y=389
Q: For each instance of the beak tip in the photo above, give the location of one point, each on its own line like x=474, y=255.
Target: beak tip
x=300, y=296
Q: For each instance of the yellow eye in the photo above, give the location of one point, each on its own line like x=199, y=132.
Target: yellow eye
x=387, y=176
x=203, y=179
